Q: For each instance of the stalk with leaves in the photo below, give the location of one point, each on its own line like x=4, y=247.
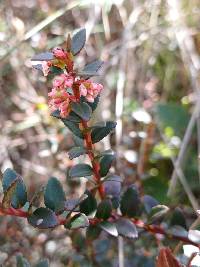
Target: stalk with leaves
x=104, y=206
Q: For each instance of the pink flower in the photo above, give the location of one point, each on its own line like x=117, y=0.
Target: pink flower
x=46, y=67
x=59, y=53
x=63, y=81
x=90, y=90
x=59, y=98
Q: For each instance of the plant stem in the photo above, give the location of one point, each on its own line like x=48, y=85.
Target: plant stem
x=89, y=145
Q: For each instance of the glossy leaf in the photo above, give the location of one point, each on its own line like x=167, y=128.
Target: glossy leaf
x=109, y=227
x=99, y=133
x=104, y=209
x=178, y=218
x=80, y=170
x=78, y=41
x=92, y=232
x=157, y=213
x=149, y=202
x=130, y=202
x=126, y=228
x=54, y=196
x=112, y=185
x=19, y=195
x=73, y=127
x=83, y=110
x=92, y=68
x=8, y=195
x=45, y=56
x=43, y=218
x=76, y=152
x=73, y=203
x=94, y=104
x=89, y=205
x=105, y=164
x=78, y=221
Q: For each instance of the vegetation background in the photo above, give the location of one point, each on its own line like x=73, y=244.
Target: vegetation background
x=151, y=50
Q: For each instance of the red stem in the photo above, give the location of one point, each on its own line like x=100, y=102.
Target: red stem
x=153, y=229
x=89, y=145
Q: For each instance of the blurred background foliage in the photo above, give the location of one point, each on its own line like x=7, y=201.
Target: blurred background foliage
x=151, y=88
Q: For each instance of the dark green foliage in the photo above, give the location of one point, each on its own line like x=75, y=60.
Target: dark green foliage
x=178, y=218
x=73, y=127
x=80, y=170
x=126, y=228
x=104, y=209
x=157, y=213
x=45, y=56
x=105, y=164
x=109, y=227
x=78, y=221
x=78, y=41
x=19, y=195
x=94, y=104
x=130, y=202
x=149, y=202
x=76, y=152
x=112, y=185
x=83, y=110
x=91, y=69
x=98, y=133
x=93, y=232
x=43, y=218
x=54, y=196
x=89, y=205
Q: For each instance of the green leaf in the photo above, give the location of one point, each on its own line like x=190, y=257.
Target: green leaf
x=73, y=127
x=99, y=133
x=83, y=110
x=91, y=69
x=42, y=263
x=8, y=195
x=22, y=262
x=130, y=202
x=54, y=196
x=105, y=164
x=112, y=185
x=43, y=218
x=94, y=104
x=126, y=228
x=109, y=227
x=55, y=70
x=157, y=213
x=80, y=170
x=36, y=199
x=78, y=221
x=78, y=41
x=76, y=152
x=92, y=232
x=89, y=205
x=19, y=196
x=73, y=203
x=45, y=56
x=178, y=218
x=104, y=209
x=149, y=202
x=71, y=117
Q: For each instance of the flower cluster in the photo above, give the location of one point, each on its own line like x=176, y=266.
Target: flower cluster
x=62, y=93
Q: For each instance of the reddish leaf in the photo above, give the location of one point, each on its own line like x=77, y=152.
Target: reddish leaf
x=166, y=259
